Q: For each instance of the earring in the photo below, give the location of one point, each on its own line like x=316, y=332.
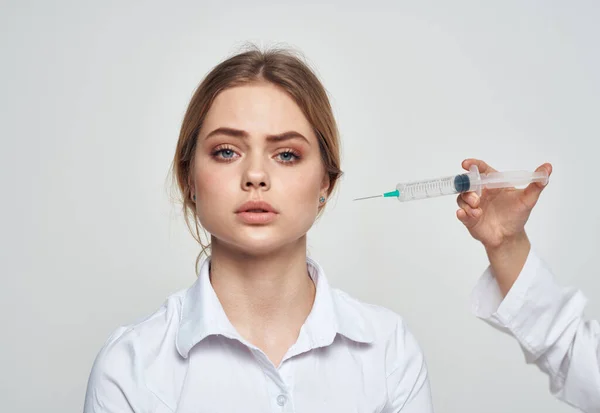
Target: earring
x=322, y=199
x=194, y=197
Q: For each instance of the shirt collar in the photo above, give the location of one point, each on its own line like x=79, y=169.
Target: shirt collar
x=202, y=314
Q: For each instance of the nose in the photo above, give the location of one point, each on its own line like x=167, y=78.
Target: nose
x=255, y=176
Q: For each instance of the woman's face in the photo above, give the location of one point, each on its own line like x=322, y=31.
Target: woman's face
x=256, y=145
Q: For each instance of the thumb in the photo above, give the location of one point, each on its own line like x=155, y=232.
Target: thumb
x=532, y=193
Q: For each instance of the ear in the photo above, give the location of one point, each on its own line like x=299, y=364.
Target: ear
x=325, y=184
x=191, y=189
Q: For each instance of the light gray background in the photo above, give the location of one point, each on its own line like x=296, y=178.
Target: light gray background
x=92, y=97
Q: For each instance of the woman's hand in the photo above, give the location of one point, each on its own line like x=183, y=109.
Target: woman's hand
x=497, y=220
x=499, y=216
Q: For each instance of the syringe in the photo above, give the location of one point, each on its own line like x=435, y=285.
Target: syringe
x=472, y=181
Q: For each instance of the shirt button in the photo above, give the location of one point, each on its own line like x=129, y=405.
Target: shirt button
x=281, y=399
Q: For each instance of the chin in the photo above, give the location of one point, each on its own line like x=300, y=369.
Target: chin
x=259, y=241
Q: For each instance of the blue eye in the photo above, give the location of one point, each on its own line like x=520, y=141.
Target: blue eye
x=224, y=154
x=288, y=156
x=227, y=153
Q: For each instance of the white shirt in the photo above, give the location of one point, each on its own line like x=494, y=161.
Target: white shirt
x=547, y=320
x=187, y=357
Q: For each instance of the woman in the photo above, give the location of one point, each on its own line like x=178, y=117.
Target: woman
x=261, y=329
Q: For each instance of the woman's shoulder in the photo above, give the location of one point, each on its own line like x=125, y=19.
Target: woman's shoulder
x=138, y=340
x=149, y=326
x=384, y=322
x=134, y=355
x=386, y=330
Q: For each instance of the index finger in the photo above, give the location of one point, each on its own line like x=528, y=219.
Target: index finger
x=483, y=167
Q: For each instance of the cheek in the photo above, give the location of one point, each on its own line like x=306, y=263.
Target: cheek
x=215, y=181
x=209, y=182
x=215, y=191
x=304, y=188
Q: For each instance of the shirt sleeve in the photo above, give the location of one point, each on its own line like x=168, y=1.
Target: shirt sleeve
x=115, y=384
x=407, y=381
x=548, y=322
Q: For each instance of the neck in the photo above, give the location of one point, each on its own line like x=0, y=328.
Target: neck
x=266, y=297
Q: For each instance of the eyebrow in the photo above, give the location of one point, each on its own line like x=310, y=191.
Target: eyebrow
x=237, y=133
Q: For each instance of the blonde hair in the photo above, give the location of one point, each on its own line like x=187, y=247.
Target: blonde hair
x=280, y=67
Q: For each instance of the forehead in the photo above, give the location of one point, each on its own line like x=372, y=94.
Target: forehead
x=258, y=108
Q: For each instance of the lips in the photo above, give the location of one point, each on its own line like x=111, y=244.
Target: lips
x=256, y=206
x=256, y=212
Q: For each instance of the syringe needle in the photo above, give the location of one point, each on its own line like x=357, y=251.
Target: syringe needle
x=367, y=197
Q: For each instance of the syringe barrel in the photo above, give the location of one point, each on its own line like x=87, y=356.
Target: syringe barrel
x=411, y=191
